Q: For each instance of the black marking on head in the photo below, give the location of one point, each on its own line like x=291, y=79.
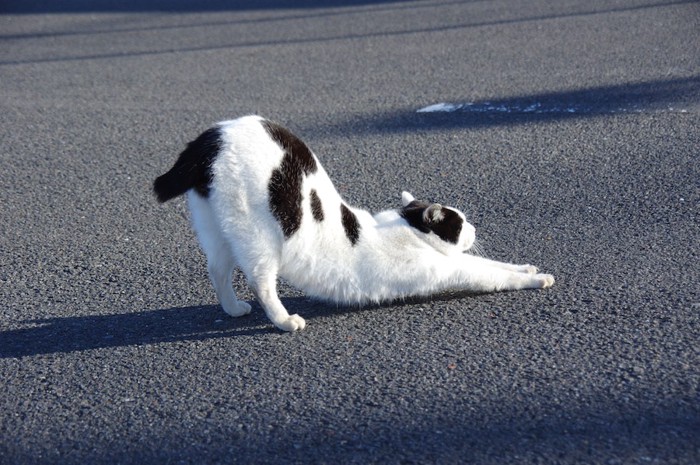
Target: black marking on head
x=192, y=170
x=447, y=228
x=286, y=181
x=350, y=224
x=316, y=207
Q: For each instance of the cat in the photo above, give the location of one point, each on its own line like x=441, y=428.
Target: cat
x=260, y=200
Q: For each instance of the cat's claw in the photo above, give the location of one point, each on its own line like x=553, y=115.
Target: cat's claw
x=238, y=309
x=293, y=323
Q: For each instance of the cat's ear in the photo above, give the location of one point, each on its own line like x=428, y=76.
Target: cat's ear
x=433, y=214
x=406, y=198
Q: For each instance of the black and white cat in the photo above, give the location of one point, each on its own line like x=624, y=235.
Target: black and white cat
x=260, y=200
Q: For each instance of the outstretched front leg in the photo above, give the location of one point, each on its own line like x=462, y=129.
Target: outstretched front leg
x=483, y=275
x=506, y=266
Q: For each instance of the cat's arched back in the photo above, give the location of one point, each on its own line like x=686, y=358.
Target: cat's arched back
x=261, y=200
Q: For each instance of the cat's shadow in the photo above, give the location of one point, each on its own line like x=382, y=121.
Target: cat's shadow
x=79, y=333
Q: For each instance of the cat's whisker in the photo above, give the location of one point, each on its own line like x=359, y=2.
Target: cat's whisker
x=477, y=249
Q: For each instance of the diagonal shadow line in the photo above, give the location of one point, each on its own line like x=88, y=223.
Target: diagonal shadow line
x=274, y=19
x=565, y=434
x=344, y=37
x=681, y=95
x=181, y=6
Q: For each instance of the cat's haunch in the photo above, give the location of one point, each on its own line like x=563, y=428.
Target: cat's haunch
x=260, y=200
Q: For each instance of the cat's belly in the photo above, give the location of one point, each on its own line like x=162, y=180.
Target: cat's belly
x=342, y=279
x=323, y=278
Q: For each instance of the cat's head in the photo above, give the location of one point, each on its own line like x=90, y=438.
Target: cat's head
x=444, y=228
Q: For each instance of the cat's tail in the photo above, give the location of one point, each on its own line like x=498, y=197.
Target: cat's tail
x=192, y=170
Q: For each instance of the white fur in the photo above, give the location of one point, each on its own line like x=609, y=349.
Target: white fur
x=391, y=260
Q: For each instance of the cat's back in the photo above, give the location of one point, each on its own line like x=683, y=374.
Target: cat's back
x=246, y=148
x=251, y=149
x=263, y=170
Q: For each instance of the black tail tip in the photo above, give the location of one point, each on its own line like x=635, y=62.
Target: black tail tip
x=163, y=190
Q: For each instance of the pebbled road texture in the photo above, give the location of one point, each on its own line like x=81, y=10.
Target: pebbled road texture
x=573, y=146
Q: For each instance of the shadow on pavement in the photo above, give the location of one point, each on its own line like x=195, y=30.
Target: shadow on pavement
x=562, y=434
x=197, y=323
x=71, y=334
x=681, y=95
x=388, y=30
x=93, y=6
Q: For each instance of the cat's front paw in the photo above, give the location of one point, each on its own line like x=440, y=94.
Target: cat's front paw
x=293, y=323
x=529, y=269
x=237, y=309
x=545, y=280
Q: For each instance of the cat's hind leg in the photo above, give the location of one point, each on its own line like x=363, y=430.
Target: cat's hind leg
x=220, y=265
x=220, y=260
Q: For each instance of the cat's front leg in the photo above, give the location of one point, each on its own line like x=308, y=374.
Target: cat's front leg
x=483, y=275
x=529, y=269
x=507, y=280
x=265, y=287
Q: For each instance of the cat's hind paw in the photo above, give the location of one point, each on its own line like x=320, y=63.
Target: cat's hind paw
x=237, y=309
x=293, y=323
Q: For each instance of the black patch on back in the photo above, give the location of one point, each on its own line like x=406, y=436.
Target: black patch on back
x=350, y=224
x=192, y=170
x=447, y=229
x=286, y=181
x=292, y=145
x=316, y=207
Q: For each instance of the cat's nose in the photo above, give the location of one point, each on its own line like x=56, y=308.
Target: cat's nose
x=470, y=230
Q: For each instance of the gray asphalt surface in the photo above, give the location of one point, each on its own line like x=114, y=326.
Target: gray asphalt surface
x=578, y=153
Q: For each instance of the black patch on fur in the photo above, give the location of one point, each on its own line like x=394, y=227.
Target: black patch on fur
x=292, y=145
x=316, y=207
x=350, y=224
x=447, y=229
x=192, y=170
x=286, y=181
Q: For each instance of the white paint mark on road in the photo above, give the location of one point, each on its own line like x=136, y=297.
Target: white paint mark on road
x=489, y=107
x=540, y=108
x=438, y=107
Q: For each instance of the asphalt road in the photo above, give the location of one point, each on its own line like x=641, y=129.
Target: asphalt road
x=573, y=146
